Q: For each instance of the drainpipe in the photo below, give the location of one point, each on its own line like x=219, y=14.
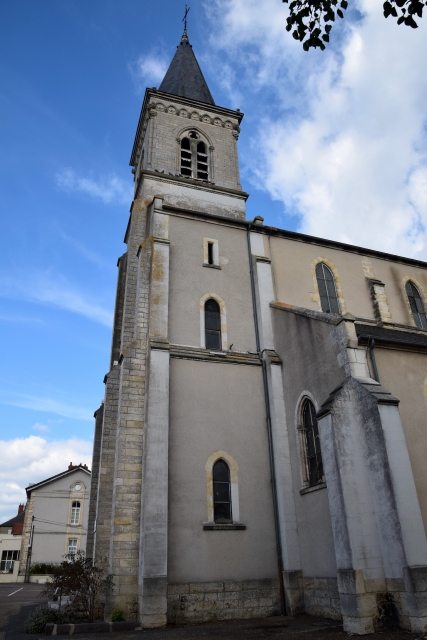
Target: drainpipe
x=269, y=430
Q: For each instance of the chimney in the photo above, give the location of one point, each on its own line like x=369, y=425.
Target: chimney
x=21, y=509
x=70, y=466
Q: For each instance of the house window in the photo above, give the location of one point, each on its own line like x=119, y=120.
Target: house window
x=7, y=560
x=221, y=492
x=194, y=157
x=75, y=513
x=416, y=304
x=312, y=443
x=72, y=547
x=327, y=291
x=212, y=325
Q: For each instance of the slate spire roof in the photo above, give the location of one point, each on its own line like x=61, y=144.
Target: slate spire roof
x=184, y=76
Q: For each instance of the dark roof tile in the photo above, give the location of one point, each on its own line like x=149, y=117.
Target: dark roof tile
x=184, y=76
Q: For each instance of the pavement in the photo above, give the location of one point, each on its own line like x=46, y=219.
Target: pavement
x=17, y=601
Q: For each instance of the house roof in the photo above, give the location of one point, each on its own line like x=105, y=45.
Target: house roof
x=79, y=467
x=19, y=518
x=184, y=76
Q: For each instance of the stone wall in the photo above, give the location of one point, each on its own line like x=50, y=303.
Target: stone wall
x=321, y=597
x=206, y=601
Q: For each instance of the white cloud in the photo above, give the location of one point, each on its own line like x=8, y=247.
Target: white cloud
x=110, y=189
x=43, y=287
x=341, y=134
x=45, y=404
x=149, y=69
x=32, y=459
x=40, y=427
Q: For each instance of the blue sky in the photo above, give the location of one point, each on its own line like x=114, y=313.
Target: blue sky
x=332, y=144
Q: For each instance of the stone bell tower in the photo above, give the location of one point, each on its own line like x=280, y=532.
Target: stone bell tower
x=184, y=156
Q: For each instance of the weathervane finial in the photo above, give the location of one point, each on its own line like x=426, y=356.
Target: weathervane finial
x=187, y=9
x=184, y=35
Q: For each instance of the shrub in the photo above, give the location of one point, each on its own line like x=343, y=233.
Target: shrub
x=43, y=568
x=117, y=615
x=37, y=621
x=86, y=583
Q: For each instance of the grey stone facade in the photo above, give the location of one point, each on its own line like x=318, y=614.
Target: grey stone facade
x=207, y=601
x=351, y=545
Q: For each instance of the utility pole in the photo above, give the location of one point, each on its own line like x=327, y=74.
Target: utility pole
x=30, y=549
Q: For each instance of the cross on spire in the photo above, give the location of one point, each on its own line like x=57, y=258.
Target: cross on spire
x=187, y=9
x=184, y=35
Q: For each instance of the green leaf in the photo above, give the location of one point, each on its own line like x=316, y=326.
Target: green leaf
x=401, y=19
x=344, y=4
x=325, y=37
x=328, y=28
x=340, y=13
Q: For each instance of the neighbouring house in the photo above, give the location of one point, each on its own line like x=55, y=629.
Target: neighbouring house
x=10, y=546
x=56, y=517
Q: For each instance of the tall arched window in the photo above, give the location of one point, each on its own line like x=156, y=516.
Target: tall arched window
x=312, y=443
x=327, y=291
x=416, y=304
x=212, y=325
x=221, y=492
x=194, y=157
x=75, y=512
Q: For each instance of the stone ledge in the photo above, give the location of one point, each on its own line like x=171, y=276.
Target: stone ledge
x=211, y=526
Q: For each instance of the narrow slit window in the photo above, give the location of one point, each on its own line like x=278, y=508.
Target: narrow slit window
x=212, y=325
x=312, y=441
x=210, y=253
x=75, y=512
x=416, y=304
x=327, y=291
x=221, y=492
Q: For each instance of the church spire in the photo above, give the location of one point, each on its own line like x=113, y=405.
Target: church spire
x=184, y=76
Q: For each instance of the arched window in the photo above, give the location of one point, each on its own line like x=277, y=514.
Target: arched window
x=416, y=304
x=75, y=512
x=312, y=443
x=221, y=492
x=327, y=291
x=212, y=325
x=194, y=157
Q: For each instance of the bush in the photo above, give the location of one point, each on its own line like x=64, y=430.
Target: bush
x=117, y=615
x=42, y=615
x=43, y=568
x=86, y=583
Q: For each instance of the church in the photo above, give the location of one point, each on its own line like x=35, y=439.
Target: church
x=261, y=446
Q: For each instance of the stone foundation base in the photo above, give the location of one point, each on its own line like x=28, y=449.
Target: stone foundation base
x=321, y=597
x=208, y=601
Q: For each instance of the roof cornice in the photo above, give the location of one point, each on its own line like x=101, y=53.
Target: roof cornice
x=188, y=102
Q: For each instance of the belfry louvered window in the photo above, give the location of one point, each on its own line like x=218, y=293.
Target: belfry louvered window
x=212, y=325
x=417, y=305
x=312, y=441
x=194, y=157
x=327, y=291
x=221, y=492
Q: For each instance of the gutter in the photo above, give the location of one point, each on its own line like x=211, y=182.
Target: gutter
x=269, y=430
